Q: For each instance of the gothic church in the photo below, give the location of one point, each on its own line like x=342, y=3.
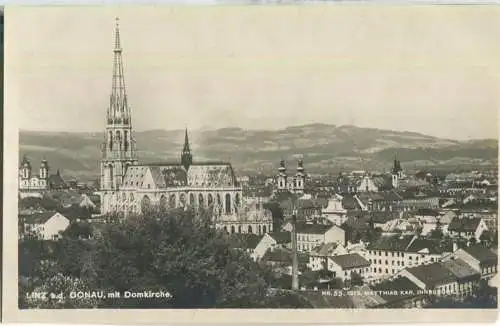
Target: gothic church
x=129, y=186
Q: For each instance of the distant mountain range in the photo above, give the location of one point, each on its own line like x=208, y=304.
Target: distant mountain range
x=325, y=148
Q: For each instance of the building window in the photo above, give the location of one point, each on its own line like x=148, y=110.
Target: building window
x=386, y=253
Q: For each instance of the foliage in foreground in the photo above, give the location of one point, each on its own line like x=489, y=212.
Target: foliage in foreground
x=174, y=251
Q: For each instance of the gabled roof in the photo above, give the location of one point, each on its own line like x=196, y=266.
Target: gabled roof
x=38, y=218
x=432, y=246
x=482, y=254
x=433, y=274
x=396, y=285
x=383, y=217
x=324, y=249
x=460, y=268
x=308, y=228
x=464, y=224
x=244, y=240
x=282, y=255
x=281, y=237
x=392, y=242
x=350, y=261
x=56, y=181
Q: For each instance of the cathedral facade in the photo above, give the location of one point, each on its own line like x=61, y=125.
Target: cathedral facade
x=294, y=183
x=128, y=186
x=41, y=182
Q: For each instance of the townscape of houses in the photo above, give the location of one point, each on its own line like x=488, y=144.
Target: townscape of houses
x=384, y=233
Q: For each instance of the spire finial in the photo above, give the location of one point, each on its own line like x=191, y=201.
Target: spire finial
x=117, y=34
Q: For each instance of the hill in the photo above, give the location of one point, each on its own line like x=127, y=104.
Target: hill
x=325, y=148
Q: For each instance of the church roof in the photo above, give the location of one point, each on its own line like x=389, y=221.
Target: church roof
x=167, y=175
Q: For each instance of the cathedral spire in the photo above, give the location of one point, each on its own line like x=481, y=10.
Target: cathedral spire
x=186, y=157
x=119, y=112
x=186, y=142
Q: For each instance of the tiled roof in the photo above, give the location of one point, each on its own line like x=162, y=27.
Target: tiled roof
x=427, y=212
x=244, y=241
x=318, y=300
x=393, y=242
x=203, y=174
x=383, y=217
x=350, y=261
x=460, y=268
x=56, y=181
x=482, y=254
x=324, y=249
x=396, y=285
x=430, y=244
x=313, y=228
x=221, y=174
x=282, y=255
x=37, y=218
x=281, y=237
x=432, y=274
x=464, y=224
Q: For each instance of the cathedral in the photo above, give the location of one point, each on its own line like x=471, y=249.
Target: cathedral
x=128, y=186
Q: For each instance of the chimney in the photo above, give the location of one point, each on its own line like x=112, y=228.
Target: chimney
x=295, y=276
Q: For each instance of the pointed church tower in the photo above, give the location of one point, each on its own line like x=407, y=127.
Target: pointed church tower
x=186, y=157
x=300, y=177
x=118, y=150
x=281, y=179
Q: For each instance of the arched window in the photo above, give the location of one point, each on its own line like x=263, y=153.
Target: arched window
x=260, y=229
x=239, y=229
x=163, y=203
x=264, y=229
x=237, y=199
x=125, y=140
x=110, y=141
x=110, y=174
x=145, y=205
x=249, y=229
x=200, y=200
x=225, y=229
x=228, y=204
x=232, y=228
x=191, y=199
x=131, y=197
x=219, y=201
x=210, y=199
x=172, y=202
x=183, y=199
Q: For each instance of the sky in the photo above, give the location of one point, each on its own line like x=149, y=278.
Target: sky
x=427, y=69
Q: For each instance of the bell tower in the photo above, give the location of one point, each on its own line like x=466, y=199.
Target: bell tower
x=118, y=149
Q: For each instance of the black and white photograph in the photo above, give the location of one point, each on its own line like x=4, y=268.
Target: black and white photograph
x=225, y=157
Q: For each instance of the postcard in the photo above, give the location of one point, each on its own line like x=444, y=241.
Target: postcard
x=254, y=164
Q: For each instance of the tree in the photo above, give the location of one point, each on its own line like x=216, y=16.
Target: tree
x=356, y=279
x=180, y=253
x=277, y=214
x=58, y=291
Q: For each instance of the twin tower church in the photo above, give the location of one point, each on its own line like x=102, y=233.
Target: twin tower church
x=132, y=187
